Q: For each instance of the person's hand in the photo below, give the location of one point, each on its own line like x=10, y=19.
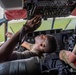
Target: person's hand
x=33, y=24
x=9, y=34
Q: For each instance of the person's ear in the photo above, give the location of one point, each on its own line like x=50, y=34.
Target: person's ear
x=42, y=45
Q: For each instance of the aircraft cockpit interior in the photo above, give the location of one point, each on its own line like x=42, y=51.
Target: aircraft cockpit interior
x=66, y=38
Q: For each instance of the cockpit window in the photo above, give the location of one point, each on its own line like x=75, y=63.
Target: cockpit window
x=1, y=12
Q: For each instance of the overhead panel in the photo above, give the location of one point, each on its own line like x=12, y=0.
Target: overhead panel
x=11, y=4
x=50, y=8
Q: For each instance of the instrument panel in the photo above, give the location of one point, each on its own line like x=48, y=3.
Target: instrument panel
x=50, y=8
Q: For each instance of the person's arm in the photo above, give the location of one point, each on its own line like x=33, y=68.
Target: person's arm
x=7, y=48
x=21, y=55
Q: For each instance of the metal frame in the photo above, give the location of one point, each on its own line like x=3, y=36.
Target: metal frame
x=5, y=29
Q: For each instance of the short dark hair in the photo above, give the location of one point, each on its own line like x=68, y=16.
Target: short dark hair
x=52, y=43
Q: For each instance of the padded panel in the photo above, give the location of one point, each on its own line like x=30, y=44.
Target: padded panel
x=11, y=4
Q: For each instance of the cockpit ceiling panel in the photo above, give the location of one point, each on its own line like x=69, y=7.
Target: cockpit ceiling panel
x=47, y=8
x=11, y=4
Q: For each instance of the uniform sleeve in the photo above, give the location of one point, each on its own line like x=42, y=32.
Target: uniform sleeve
x=25, y=54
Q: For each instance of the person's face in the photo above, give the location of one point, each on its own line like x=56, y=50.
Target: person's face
x=42, y=42
x=40, y=39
